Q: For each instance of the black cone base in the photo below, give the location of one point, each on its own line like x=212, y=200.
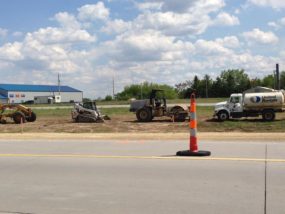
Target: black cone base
x=190, y=153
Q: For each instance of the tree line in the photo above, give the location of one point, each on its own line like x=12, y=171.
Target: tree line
x=228, y=82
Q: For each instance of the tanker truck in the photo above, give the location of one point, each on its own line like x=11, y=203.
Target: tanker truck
x=255, y=102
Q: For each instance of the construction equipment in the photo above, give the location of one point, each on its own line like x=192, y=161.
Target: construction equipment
x=252, y=103
x=156, y=106
x=19, y=113
x=87, y=112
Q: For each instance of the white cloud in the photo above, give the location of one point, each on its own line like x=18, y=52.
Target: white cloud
x=116, y=26
x=147, y=45
x=277, y=25
x=226, y=19
x=91, y=12
x=180, y=18
x=11, y=51
x=67, y=20
x=258, y=36
x=276, y=4
x=193, y=6
x=149, y=6
x=211, y=48
x=3, y=32
x=59, y=35
x=173, y=23
x=274, y=25
x=229, y=42
x=206, y=6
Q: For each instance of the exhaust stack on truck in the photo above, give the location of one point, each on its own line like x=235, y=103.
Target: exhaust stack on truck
x=252, y=103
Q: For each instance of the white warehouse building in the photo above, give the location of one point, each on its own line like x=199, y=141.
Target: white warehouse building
x=17, y=93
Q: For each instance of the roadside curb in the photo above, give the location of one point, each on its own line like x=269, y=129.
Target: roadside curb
x=218, y=136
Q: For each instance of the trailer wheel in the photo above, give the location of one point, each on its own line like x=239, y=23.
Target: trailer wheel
x=19, y=117
x=144, y=115
x=32, y=118
x=268, y=115
x=223, y=115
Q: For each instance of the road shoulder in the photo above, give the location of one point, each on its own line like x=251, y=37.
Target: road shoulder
x=215, y=136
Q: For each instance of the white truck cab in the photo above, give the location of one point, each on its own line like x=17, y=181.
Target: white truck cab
x=233, y=107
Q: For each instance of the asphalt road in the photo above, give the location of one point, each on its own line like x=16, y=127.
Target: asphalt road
x=141, y=177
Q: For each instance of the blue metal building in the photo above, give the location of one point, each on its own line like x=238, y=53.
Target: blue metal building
x=17, y=93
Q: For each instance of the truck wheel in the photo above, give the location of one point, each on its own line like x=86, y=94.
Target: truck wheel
x=19, y=117
x=223, y=115
x=268, y=115
x=32, y=118
x=144, y=115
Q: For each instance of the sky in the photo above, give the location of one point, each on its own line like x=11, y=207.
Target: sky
x=90, y=43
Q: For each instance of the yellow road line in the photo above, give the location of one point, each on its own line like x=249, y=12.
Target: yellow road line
x=143, y=157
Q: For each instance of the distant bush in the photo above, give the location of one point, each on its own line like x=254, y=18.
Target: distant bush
x=108, y=98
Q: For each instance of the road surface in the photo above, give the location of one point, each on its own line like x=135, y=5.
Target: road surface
x=139, y=176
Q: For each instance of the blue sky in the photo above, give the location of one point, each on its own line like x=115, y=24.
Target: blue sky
x=91, y=42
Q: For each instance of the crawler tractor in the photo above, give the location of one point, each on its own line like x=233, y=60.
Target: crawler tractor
x=18, y=113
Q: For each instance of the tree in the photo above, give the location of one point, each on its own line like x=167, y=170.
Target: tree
x=255, y=82
x=234, y=81
x=282, y=80
x=108, y=98
x=142, y=91
x=205, y=86
x=268, y=81
x=181, y=88
x=217, y=88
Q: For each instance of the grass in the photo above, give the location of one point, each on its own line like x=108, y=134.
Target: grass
x=52, y=112
x=116, y=102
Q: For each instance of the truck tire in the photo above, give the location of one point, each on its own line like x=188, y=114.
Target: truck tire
x=32, y=118
x=19, y=117
x=144, y=115
x=268, y=115
x=223, y=115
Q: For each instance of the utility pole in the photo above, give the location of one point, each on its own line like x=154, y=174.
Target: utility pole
x=113, y=87
x=58, y=83
x=141, y=91
x=277, y=77
x=206, y=86
x=274, y=82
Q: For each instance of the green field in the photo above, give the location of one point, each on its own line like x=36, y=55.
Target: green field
x=116, y=102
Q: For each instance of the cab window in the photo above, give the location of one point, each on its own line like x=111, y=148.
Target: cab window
x=234, y=100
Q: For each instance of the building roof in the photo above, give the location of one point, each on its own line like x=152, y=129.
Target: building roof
x=37, y=88
x=3, y=97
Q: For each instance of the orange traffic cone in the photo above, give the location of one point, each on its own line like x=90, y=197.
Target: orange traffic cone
x=193, y=146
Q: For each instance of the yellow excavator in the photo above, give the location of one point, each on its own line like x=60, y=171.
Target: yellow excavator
x=17, y=112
